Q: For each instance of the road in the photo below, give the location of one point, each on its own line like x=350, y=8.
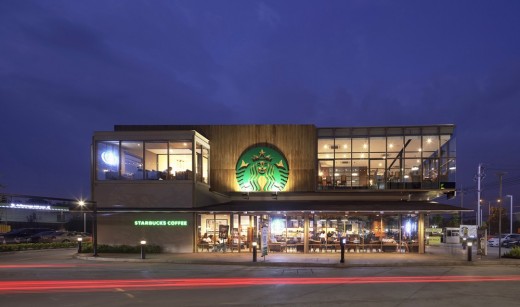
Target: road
x=54, y=278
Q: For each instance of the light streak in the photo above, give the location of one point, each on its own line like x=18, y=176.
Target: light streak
x=193, y=283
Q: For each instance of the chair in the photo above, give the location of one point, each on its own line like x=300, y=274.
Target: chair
x=328, y=181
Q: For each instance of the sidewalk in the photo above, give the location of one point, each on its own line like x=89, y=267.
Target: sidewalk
x=434, y=256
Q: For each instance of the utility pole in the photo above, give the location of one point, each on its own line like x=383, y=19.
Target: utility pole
x=462, y=206
x=479, y=177
x=500, y=175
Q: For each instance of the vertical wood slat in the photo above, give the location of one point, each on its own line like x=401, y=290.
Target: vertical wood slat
x=296, y=142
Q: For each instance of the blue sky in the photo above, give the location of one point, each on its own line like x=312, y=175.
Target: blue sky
x=69, y=68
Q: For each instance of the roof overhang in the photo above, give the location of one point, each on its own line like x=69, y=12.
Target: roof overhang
x=310, y=206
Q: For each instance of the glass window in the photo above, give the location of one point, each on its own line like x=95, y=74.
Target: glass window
x=413, y=146
x=360, y=145
x=202, y=163
x=342, y=148
x=430, y=146
x=132, y=160
x=180, y=160
x=155, y=161
x=325, y=174
x=107, y=160
x=325, y=148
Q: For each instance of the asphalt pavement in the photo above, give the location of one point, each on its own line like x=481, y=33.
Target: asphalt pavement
x=442, y=255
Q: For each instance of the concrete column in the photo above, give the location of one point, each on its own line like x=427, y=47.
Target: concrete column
x=420, y=230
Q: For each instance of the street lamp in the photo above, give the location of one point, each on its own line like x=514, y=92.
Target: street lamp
x=511, y=215
x=143, y=243
x=82, y=205
x=94, y=223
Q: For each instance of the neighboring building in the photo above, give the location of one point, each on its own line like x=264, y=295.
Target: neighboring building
x=297, y=187
x=22, y=211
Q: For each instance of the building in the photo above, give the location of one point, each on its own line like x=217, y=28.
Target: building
x=292, y=188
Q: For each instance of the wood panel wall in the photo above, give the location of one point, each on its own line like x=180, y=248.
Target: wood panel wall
x=228, y=142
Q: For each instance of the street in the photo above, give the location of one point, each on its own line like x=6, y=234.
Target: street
x=54, y=278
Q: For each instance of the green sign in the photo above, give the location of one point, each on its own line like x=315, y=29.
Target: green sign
x=161, y=223
x=262, y=169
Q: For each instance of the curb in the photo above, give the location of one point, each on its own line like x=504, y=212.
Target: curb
x=347, y=264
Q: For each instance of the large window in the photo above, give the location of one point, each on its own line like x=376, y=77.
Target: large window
x=150, y=160
x=386, y=158
x=202, y=163
x=107, y=157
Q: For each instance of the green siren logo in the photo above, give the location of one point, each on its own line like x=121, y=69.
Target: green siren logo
x=262, y=169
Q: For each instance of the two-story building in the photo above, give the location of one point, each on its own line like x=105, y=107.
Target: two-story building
x=293, y=188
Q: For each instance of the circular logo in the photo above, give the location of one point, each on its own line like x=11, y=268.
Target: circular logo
x=262, y=169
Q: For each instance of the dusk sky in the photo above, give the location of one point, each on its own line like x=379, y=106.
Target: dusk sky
x=69, y=68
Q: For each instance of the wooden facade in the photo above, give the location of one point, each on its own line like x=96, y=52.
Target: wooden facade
x=228, y=142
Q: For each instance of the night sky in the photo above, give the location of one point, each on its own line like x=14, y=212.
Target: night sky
x=69, y=68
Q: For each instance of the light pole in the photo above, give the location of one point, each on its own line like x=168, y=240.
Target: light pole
x=511, y=215
x=94, y=223
x=82, y=205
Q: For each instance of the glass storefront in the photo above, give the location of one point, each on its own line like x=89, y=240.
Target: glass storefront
x=310, y=233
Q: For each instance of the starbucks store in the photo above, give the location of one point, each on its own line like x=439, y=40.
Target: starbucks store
x=287, y=188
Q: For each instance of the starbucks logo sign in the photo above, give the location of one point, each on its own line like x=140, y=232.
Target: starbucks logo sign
x=262, y=169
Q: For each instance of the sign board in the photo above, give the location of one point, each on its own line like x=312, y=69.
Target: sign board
x=434, y=240
x=223, y=231
x=468, y=231
x=261, y=169
x=264, y=240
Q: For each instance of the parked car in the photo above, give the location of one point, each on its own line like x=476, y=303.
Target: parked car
x=20, y=235
x=71, y=236
x=493, y=242
x=511, y=241
x=42, y=237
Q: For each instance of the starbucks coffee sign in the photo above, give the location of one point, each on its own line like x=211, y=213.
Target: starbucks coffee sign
x=262, y=169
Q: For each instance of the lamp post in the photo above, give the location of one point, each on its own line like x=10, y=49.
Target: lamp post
x=79, y=245
x=84, y=203
x=143, y=255
x=254, y=252
x=94, y=228
x=343, y=242
x=470, y=245
x=511, y=214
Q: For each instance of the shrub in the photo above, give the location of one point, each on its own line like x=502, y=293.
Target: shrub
x=122, y=249
x=30, y=246
x=513, y=253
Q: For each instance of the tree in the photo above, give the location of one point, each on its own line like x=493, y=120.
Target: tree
x=493, y=220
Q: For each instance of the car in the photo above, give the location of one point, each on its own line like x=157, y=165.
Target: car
x=20, y=235
x=493, y=242
x=511, y=241
x=42, y=237
x=69, y=236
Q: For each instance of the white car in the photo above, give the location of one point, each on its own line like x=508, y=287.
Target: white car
x=493, y=242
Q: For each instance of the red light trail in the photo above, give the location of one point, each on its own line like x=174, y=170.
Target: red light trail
x=193, y=283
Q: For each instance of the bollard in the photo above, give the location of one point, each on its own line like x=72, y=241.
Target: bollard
x=79, y=244
x=470, y=245
x=254, y=251
x=464, y=243
x=343, y=242
x=143, y=255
